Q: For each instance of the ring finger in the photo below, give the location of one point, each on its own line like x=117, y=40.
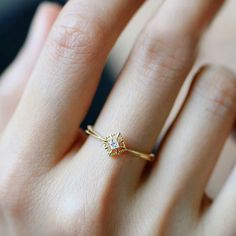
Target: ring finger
x=149, y=83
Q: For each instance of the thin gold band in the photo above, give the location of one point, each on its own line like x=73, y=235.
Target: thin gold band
x=115, y=145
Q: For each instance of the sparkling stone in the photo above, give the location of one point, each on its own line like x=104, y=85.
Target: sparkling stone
x=114, y=144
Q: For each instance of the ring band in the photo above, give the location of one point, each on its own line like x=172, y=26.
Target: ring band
x=115, y=145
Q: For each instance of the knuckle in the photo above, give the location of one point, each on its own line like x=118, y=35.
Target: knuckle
x=163, y=55
x=76, y=38
x=218, y=86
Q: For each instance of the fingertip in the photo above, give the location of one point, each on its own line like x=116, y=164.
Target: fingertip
x=44, y=18
x=46, y=14
x=49, y=7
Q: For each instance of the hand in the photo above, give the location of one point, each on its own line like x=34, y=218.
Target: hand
x=53, y=182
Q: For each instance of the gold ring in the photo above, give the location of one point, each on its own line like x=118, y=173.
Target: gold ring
x=115, y=145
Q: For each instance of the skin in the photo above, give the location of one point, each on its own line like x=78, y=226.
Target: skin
x=53, y=181
x=216, y=47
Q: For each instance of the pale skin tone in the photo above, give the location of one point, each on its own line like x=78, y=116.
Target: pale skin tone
x=54, y=181
x=216, y=47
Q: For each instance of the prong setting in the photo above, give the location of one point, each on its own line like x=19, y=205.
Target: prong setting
x=114, y=144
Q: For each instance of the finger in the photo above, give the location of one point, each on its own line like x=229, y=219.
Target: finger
x=14, y=79
x=224, y=167
x=196, y=139
x=153, y=76
x=66, y=76
x=224, y=208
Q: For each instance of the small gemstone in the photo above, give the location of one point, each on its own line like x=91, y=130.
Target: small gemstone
x=114, y=144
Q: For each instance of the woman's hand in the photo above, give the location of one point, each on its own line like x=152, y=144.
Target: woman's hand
x=54, y=182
